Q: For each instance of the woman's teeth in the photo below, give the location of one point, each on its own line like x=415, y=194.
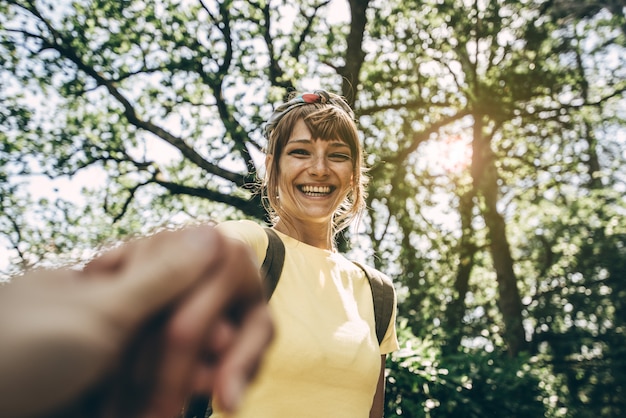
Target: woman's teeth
x=315, y=190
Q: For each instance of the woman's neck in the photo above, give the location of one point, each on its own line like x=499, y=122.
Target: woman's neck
x=318, y=236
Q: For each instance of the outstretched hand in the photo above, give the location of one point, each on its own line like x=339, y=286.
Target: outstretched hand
x=137, y=331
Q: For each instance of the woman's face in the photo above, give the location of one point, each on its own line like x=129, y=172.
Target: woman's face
x=315, y=176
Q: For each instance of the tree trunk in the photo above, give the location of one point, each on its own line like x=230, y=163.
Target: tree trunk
x=485, y=179
x=467, y=250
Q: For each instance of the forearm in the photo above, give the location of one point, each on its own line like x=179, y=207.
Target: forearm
x=42, y=365
x=48, y=355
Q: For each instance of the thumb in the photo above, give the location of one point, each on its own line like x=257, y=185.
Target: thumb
x=157, y=270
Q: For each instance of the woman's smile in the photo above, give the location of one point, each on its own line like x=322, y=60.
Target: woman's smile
x=315, y=176
x=316, y=191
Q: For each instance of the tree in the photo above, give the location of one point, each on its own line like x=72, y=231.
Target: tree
x=494, y=130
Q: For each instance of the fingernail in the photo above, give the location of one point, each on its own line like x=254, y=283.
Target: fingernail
x=233, y=393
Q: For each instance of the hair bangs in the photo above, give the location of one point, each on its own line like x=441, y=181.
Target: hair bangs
x=331, y=123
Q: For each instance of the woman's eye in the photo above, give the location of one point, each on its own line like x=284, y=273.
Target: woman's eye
x=298, y=152
x=340, y=157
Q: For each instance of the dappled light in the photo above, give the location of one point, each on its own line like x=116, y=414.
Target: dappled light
x=495, y=134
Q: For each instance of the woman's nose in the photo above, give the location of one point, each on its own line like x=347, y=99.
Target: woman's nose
x=319, y=166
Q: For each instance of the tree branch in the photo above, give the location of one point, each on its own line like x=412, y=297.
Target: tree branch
x=251, y=207
x=295, y=52
x=355, y=56
x=422, y=136
x=62, y=45
x=275, y=72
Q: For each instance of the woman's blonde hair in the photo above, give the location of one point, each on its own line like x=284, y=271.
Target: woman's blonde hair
x=327, y=118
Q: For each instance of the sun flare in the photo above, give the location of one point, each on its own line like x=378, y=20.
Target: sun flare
x=450, y=154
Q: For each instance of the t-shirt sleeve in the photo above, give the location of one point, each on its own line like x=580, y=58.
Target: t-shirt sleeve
x=390, y=340
x=250, y=233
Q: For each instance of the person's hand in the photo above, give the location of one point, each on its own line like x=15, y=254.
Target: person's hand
x=136, y=331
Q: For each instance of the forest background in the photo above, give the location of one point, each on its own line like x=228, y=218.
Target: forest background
x=496, y=137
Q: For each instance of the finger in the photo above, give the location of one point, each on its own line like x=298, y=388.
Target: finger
x=185, y=335
x=110, y=261
x=242, y=361
x=219, y=340
x=203, y=379
x=235, y=280
x=165, y=266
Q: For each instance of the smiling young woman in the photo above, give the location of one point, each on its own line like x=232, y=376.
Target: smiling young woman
x=326, y=359
x=315, y=178
x=323, y=121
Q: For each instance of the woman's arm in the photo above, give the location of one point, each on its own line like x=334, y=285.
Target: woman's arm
x=378, y=406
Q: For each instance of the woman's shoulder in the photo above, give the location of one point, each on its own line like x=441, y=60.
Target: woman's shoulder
x=239, y=224
x=245, y=230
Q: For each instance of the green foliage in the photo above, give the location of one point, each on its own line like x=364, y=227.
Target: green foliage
x=472, y=384
x=578, y=308
x=495, y=133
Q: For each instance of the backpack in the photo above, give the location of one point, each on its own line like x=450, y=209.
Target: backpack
x=271, y=269
x=382, y=288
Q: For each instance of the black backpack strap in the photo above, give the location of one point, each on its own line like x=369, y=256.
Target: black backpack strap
x=383, y=296
x=272, y=266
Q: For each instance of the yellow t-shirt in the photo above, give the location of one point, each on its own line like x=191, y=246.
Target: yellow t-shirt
x=325, y=358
